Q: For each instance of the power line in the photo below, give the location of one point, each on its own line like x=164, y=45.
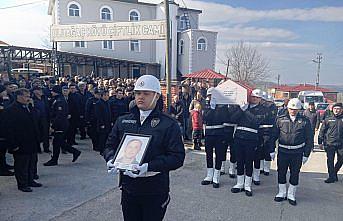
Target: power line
x=20, y=5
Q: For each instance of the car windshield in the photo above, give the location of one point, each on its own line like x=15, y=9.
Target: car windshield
x=322, y=106
x=315, y=99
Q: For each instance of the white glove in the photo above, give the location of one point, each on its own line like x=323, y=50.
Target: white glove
x=213, y=104
x=305, y=159
x=142, y=171
x=272, y=155
x=244, y=107
x=111, y=168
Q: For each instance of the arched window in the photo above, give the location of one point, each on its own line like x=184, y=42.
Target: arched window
x=74, y=9
x=106, y=13
x=183, y=22
x=202, y=44
x=181, y=46
x=134, y=15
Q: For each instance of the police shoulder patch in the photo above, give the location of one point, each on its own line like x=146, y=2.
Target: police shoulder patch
x=155, y=122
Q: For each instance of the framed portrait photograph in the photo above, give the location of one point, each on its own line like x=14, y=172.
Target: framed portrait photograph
x=131, y=151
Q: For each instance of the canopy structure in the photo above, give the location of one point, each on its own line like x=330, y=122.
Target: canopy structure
x=205, y=74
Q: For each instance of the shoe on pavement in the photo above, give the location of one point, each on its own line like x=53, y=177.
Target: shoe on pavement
x=36, y=177
x=239, y=187
x=281, y=196
x=25, y=189
x=6, y=173
x=216, y=176
x=76, y=155
x=330, y=180
x=35, y=184
x=291, y=195
x=209, y=177
x=50, y=163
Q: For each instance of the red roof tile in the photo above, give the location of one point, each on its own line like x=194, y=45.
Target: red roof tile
x=205, y=74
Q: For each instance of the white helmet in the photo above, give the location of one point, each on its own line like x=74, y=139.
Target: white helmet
x=257, y=93
x=295, y=104
x=209, y=91
x=270, y=98
x=148, y=83
x=264, y=95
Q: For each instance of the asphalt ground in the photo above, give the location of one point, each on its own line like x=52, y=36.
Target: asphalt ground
x=84, y=191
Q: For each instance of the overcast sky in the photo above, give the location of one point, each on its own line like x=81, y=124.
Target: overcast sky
x=289, y=33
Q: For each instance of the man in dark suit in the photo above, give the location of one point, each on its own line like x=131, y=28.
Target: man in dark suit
x=22, y=134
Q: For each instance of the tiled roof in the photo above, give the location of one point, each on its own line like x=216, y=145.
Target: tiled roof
x=206, y=73
x=302, y=87
x=3, y=43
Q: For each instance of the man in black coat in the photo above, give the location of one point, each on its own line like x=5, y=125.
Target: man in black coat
x=74, y=106
x=59, y=125
x=103, y=120
x=119, y=105
x=4, y=103
x=41, y=105
x=22, y=134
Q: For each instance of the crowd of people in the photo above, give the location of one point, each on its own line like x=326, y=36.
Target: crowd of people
x=34, y=111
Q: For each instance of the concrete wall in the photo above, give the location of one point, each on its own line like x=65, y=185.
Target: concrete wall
x=183, y=59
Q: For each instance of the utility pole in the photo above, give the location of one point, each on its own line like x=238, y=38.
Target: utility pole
x=168, y=43
x=318, y=60
x=278, y=80
x=227, y=67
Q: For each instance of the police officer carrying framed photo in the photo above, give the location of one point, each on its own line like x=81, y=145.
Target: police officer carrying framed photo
x=295, y=137
x=145, y=195
x=331, y=134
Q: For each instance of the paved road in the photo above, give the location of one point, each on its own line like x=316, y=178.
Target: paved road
x=83, y=191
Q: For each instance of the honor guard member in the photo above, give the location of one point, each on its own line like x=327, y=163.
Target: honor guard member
x=268, y=141
x=295, y=137
x=145, y=195
x=59, y=125
x=214, y=139
x=331, y=134
x=229, y=128
x=260, y=112
x=245, y=140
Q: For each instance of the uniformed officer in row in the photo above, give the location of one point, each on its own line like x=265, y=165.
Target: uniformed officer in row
x=266, y=130
x=331, y=135
x=59, y=125
x=145, y=195
x=214, y=140
x=294, y=133
x=229, y=129
x=260, y=113
x=246, y=142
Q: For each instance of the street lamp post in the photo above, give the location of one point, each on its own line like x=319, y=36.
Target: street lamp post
x=318, y=60
x=168, y=43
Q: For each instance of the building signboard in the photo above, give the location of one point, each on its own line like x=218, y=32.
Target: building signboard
x=230, y=92
x=138, y=30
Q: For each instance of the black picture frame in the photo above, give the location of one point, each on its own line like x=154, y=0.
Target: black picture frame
x=121, y=159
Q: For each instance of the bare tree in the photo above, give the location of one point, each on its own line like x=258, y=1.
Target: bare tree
x=246, y=63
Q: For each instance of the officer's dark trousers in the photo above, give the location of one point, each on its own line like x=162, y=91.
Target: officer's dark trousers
x=24, y=168
x=91, y=130
x=293, y=161
x=82, y=128
x=3, y=151
x=45, y=133
x=220, y=146
x=72, y=131
x=332, y=167
x=267, y=147
x=102, y=138
x=59, y=142
x=245, y=153
x=233, y=154
x=144, y=208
